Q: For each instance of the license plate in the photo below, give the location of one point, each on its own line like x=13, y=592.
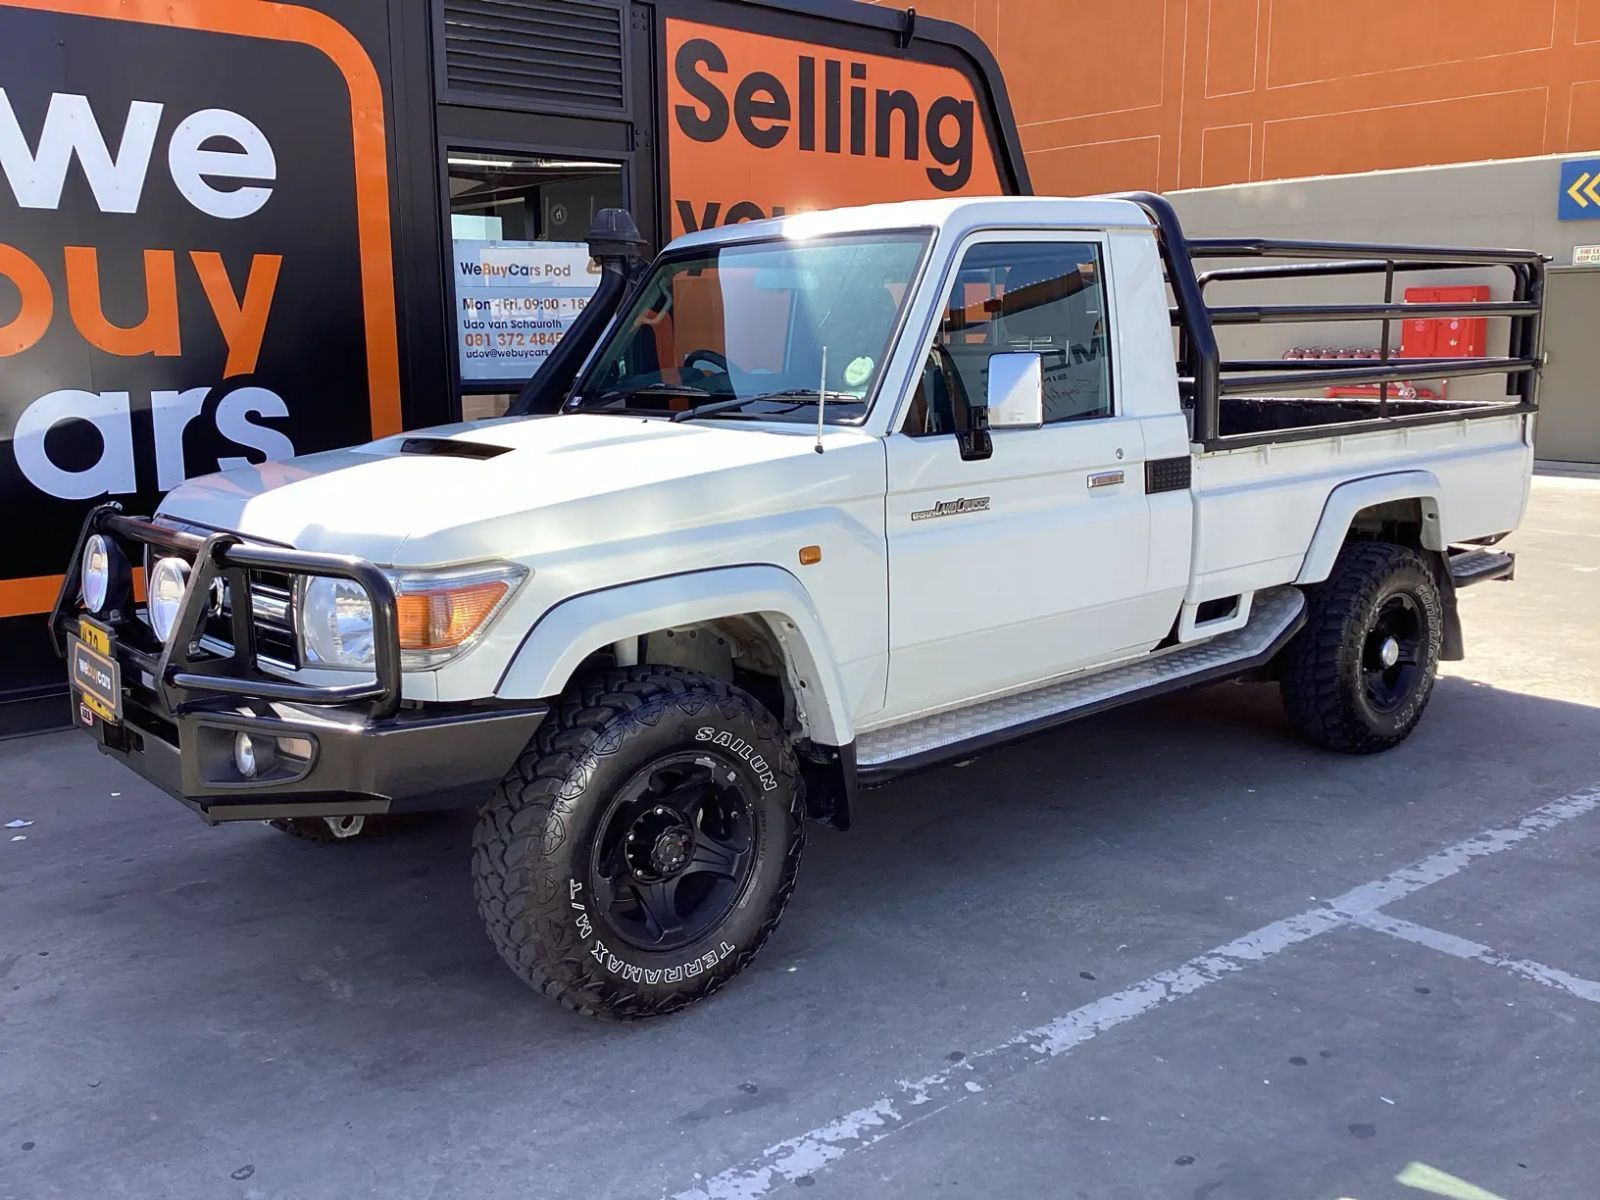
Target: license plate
x=95, y=675
x=96, y=637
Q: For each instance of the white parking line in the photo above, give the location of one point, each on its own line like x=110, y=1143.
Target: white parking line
x=912, y=1102
x=1460, y=947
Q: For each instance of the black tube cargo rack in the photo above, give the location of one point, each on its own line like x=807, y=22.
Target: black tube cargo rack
x=182, y=671
x=1206, y=378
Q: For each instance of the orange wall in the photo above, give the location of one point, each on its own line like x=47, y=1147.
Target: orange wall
x=1171, y=94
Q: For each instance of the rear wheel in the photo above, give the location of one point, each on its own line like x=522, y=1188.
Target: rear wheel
x=644, y=845
x=1360, y=673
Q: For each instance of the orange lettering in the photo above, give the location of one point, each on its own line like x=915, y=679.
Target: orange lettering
x=243, y=324
x=28, y=326
x=157, y=334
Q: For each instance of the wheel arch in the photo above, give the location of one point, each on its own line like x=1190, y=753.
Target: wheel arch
x=572, y=631
x=1409, y=500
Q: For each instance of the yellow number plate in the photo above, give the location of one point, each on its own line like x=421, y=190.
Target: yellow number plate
x=94, y=637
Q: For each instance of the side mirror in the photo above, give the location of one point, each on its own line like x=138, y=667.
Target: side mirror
x=1016, y=391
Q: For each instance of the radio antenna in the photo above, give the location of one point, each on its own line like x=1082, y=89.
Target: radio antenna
x=822, y=397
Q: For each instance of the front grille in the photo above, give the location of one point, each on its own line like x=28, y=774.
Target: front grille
x=272, y=605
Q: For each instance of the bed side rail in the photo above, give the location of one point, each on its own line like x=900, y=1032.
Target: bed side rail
x=1206, y=377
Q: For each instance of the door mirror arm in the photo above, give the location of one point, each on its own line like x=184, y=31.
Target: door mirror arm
x=974, y=440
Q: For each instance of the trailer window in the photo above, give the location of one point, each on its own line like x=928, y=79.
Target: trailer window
x=1045, y=297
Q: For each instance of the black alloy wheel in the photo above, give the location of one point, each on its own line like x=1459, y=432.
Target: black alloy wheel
x=674, y=852
x=1391, y=658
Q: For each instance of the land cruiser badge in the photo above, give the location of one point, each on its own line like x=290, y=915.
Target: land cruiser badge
x=953, y=508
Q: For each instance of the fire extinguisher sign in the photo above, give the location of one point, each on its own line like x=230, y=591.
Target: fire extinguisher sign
x=1579, y=198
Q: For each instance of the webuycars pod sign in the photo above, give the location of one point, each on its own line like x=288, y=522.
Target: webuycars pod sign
x=760, y=125
x=195, y=261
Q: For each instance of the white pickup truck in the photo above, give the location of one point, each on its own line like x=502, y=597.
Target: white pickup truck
x=809, y=504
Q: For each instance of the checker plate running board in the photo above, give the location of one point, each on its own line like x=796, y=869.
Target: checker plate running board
x=1476, y=566
x=1276, y=615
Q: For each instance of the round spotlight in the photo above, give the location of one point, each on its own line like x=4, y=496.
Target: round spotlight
x=169, y=579
x=244, y=755
x=96, y=573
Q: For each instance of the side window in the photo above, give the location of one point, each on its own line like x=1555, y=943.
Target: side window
x=1045, y=297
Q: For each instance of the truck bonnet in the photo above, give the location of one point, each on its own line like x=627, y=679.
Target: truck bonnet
x=368, y=500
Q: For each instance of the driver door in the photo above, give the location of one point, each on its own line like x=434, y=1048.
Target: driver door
x=1032, y=562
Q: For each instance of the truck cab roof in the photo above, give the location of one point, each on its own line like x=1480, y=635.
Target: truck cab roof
x=956, y=215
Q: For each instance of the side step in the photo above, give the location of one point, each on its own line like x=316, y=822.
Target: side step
x=882, y=754
x=1475, y=566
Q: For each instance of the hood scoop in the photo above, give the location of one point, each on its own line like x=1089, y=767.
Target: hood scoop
x=451, y=448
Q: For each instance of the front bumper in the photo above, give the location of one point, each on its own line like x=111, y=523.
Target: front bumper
x=321, y=751
x=347, y=764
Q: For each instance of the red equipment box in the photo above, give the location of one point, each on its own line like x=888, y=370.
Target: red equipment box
x=1426, y=337
x=1445, y=337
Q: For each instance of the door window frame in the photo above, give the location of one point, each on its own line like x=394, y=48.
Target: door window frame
x=1098, y=238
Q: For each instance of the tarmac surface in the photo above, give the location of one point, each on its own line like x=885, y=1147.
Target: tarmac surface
x=1168, y=952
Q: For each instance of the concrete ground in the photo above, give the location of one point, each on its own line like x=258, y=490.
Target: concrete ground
x=1169, y=952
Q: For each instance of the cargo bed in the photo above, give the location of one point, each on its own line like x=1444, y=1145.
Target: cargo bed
x=1239, y=402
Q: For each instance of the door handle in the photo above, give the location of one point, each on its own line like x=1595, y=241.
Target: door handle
x=1104, y=479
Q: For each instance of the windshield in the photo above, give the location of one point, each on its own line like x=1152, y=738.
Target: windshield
x=741, y=331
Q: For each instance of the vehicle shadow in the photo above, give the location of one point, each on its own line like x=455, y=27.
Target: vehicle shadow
x=1209, y=799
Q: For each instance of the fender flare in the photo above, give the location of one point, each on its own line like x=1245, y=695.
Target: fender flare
x=572, y=630
x=1346, y=500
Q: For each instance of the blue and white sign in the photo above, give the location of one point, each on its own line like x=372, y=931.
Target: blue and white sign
x=514, y=300
x=1580, y=190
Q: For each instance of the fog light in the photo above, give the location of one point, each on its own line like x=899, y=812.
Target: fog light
x=244, y=755
x=106, y=576
x=96, y=573
x=169, y=580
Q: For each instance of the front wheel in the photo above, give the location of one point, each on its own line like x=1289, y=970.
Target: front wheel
x=644, y=845
x=1359, y=674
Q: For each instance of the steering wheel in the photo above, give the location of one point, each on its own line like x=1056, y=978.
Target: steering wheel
x=716, y=360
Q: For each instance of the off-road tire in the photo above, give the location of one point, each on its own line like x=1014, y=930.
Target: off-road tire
x=1322, y=672
x=315, y=829
x=534, y=846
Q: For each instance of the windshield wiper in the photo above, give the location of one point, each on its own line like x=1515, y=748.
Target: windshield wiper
x=802, y=395
x=716, y=406
x=666, y=391
x=797, y=396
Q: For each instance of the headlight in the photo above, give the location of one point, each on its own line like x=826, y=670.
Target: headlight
x=169, y=579
x=336, y=623
x=440, y=614
x=96, y=573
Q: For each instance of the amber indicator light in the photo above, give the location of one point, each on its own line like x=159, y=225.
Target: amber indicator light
x=435, y=620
